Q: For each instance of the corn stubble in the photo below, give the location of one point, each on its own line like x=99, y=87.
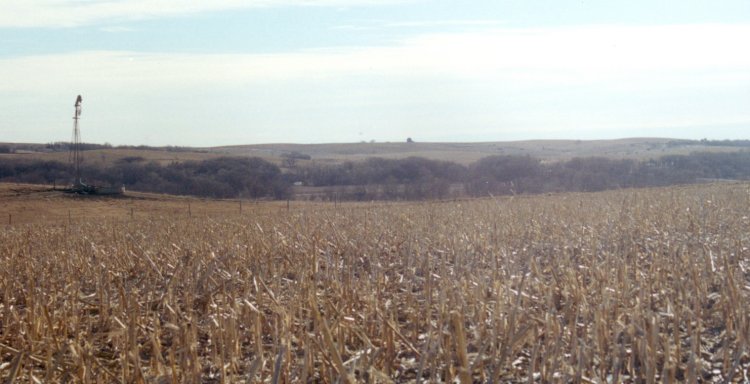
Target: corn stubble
x=629, y=286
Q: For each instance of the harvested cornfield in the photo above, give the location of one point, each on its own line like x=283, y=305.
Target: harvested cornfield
x=627, y=286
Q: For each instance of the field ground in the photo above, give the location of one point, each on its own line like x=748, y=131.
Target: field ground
x=464, y=153
x=627, y=286
x=25, y=204
x=106, y=157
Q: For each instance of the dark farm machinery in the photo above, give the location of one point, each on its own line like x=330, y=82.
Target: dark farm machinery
x=76, y=157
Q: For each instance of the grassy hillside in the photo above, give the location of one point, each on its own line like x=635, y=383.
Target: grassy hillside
x=106, y=157
x=463, y=153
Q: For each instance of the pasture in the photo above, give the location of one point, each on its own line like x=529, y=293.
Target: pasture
x=335, y=153
x=625, y=286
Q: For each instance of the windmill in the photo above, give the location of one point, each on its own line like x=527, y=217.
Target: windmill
x=75, y=145
x=75, y=156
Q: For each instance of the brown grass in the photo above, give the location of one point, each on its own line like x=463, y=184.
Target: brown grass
x=466, y=153
x=26, y=204
x=463, y=153
x=107, y=157
x=628, y=286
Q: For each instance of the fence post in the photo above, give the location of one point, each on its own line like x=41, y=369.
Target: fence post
x=190, y=212
x=287, y=205
x=10, y=219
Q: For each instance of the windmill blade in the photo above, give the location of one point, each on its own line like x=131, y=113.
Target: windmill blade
x=79, y=100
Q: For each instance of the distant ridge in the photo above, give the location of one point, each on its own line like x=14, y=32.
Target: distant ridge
x=638, y=148
x=549, y=150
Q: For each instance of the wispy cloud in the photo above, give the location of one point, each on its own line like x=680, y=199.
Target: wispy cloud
x=369, y=25
x=555, y=79
x=446, y=23
x=525, y=56
x=65, y=13
x=594, y=48
x=117, y=29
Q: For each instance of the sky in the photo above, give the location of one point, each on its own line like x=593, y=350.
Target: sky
x=231, y=72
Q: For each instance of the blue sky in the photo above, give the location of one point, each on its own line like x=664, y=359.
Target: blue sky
x=224, y=72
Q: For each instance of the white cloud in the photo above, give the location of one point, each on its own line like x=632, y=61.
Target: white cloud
x=529, y=57
x=526, y=81
x=66, y=13
x=117, y=29
x=445, y=23
x=594, y=49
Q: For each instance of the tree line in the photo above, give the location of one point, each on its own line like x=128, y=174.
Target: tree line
x=412, y=178
x=419, y=178
x=225, y=177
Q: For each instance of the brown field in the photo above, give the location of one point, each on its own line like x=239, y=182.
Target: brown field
x=625, y=286
x=463, y=153
x=35, y=204
x=106, y=157
x=466, y=153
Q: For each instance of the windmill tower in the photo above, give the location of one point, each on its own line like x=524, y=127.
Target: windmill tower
x=75, y=155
